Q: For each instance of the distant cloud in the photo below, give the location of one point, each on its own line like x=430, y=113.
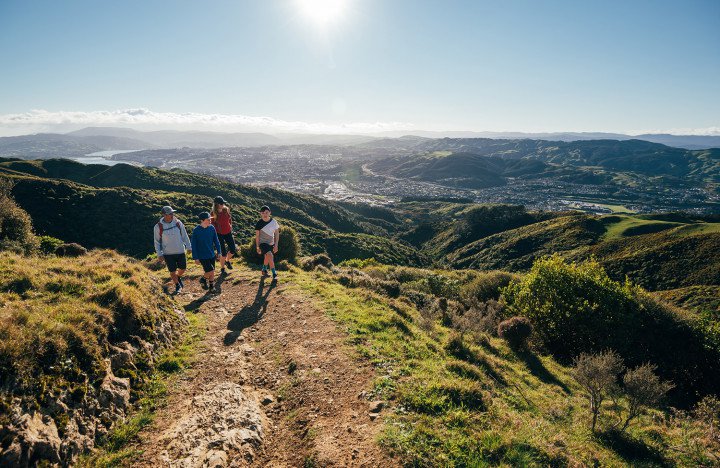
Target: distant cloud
x=146, y=119
x=707, y=131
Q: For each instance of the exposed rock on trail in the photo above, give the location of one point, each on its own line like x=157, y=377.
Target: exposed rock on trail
x=273, y=385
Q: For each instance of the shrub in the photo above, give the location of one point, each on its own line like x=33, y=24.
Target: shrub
x=15, y=224
x=70, y=250
x=598, y=374
x=486, y=286
x=516, y=331
x=359, y=263
x=572, y=307
x=48, y=244
x=288, y=248
x=577, y=308
x=310, y=263
x=707, y=411
x=643, y=389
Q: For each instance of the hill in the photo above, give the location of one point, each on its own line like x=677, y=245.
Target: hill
x=116, y=207
x=481, y=162
x=80, y=337
x=364, y=362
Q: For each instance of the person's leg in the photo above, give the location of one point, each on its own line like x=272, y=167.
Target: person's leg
x=174, y=276
x=231, y=250
x=272, y=265
x=179, y=273
x=171, y=266
x=223, y=251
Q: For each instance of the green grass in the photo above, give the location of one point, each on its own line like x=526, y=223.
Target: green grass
x=618, y=226
x=476, y=402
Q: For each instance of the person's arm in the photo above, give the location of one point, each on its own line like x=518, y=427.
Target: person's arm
x=185, y=238
x=257, y=242
x=216, y=243
x=193, y=242
x=276, y=238
x=158, y=243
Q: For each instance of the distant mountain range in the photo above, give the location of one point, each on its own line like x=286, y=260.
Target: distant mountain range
x=678, y=141
x=93, y=139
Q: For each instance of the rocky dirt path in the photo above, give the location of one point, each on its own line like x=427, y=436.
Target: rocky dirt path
x=273, y=385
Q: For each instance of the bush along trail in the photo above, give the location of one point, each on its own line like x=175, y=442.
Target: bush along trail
x=273, y=383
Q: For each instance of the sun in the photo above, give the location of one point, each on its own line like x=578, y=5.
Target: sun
x=322, y=12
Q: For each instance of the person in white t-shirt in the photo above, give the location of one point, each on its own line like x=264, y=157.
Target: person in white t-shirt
x=267, y=235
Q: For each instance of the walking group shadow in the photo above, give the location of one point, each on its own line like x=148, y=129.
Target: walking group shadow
x=249, y=314
x=195, y=304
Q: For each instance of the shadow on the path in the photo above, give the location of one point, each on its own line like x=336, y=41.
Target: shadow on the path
x=249, y=314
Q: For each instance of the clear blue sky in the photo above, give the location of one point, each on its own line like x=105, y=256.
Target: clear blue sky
x=472, y=65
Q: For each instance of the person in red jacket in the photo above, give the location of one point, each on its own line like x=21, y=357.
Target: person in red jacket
x=222, y=221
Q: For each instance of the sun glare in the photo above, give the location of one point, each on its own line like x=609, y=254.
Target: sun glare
x=322, y=12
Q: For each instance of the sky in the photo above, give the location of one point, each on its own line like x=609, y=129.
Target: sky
x=361, y=66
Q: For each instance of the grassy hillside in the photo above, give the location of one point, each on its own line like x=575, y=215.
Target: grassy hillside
x=516, y=249
x=676, y=257
x=462, y=397
x=61, y=319
x=116, y=207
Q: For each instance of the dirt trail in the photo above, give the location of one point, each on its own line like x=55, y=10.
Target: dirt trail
x=274, y=385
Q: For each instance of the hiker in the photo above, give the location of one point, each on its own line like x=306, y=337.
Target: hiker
x=222, y=221
x=267, y=235
x=171, y=240
x=205, y=244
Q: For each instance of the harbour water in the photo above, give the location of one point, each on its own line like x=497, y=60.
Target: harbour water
x=103, y=157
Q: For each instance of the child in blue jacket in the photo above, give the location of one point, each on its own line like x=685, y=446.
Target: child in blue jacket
x=205, y=249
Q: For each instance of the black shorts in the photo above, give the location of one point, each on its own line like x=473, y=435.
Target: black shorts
x=227, y=244
x=208, y=264
x=175, y=262
x=265, y=248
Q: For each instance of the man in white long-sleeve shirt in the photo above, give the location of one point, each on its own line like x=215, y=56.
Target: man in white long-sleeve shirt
x=171, y=241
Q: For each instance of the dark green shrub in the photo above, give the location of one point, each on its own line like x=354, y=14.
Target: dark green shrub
x=577, y=308
x=288, y=248
x=310, y=263
x=70, y=250
x=48, y=244
x=16, y=231
x=516, y=331
x=486, y=286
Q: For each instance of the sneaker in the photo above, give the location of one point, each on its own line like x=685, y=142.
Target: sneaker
x=180, y=282
x=228, y=265
x=265, y=274
x=274, y=278
x=211, y=286
x=203, y=283
x=178, y=288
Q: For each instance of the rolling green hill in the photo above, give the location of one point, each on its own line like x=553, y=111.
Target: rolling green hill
x=482, y=162
x=116, y=207
x=455, y=390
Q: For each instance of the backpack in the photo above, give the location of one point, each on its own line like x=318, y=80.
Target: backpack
x=161, y=228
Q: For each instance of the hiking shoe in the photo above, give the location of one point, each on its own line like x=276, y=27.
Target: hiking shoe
x=228, y=265
x=265, y=274
x=180, y=282
x=223, y=272
x=203, y=283
x=178, y=288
